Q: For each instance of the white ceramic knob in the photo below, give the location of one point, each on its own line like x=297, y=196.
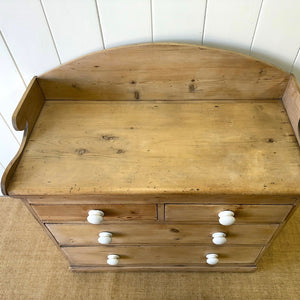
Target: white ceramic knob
x=212, y=259
x=113, y=259
x=219, y=238
x=226, y=217
x=95, y=216
x=105, y=238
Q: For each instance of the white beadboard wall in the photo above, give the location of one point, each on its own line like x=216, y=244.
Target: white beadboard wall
x=38, y=35
x=74, y=26
x=178, y=20
x=235, y=26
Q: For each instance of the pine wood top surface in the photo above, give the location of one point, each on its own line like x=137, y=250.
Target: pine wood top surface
x=117, y=147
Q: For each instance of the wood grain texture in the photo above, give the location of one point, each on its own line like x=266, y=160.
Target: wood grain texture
x=291, y=101
x=243, y=213
x=160, y=255
x=232, y=268
x=164, y=72
x=24, y=246
x=151, y=147
x=29, y=107
x=147, y=234
x=24, y=118
x=159, y=198
x=116, y=212
x=277, y=232
x=296, y=66
x=11, y=167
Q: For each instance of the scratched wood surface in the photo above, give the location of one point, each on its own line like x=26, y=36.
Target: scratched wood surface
x=164, y=71
x=125, y=147
x=243, y=213
x=24, y=118
x=83, y=235
x=291, y=101
x=78, y=213
x=160, y=255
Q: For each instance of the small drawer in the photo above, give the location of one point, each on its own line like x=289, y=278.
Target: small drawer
x=79, y=213
x=160, y=255
x=242, y=213
x=147, y=234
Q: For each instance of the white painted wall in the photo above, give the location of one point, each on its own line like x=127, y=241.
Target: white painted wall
x=38, y=35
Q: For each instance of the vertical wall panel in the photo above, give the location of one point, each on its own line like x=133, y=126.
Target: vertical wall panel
x=8, y=144
x=277, y=37
x=178, y=20
x=26, y=32
x=75, y=27
x=296, y=67
x=1, y=173
x=11, y=87
x=125, y=21
x=231, y=24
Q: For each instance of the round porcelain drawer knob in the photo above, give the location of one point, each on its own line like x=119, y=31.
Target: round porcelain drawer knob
x=212, y=259
x=219, y=238
x=113, y=259
x=95, y=216
x=105, y=238
x=226, y=217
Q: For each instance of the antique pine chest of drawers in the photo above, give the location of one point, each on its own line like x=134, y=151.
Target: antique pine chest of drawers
x=159, y=157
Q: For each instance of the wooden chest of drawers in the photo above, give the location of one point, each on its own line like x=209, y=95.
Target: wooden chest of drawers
x=159, y=157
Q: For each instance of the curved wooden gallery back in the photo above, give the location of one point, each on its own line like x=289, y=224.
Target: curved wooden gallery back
x=171, y=71
x=164, y=72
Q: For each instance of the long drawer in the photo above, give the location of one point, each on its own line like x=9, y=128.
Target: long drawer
x=79, y=213
x=243, y=213
x=83, y=234
x=160, y=255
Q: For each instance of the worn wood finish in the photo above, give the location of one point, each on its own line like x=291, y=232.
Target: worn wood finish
x=147, y=234
x=160, y=255
x=187, y=268
x=29, y=107
x=24, y=118
x=160, y=198
x=243, y=213
x=79, y=213
x=279, y=228
x=164, y=72
x=212, y=135
x=291, y=101
x=159, y=147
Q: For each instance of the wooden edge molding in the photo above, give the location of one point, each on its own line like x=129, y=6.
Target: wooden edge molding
x=24, y=118
x=29, y=107
x=227, y=268
x=291, y=102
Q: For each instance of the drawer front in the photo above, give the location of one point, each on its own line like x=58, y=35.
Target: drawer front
x=79, y=213
x=82, y=234
x=243, y=213
x=160, y=255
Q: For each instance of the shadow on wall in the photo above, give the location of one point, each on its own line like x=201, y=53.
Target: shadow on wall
x=270, y=58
